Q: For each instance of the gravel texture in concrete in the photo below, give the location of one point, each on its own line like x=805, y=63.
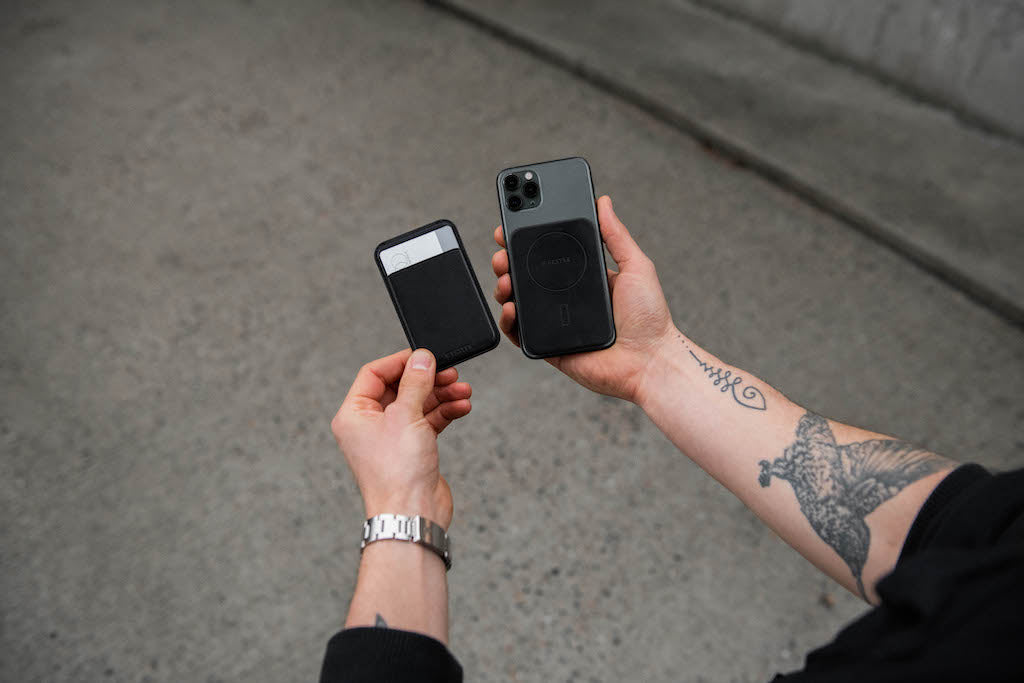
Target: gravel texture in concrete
x=189, y=199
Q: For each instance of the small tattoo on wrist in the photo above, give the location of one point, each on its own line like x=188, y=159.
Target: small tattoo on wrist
x=380, y=623
x=748, y=397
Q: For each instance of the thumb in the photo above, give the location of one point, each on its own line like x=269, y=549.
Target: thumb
x=620, y=244
x=417, y=382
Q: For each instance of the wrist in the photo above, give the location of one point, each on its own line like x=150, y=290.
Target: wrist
x=662, y=366
x=410, y=505
x=404, y=529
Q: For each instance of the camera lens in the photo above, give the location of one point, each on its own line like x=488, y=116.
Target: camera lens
x=511, y=182
x=530, y=189
x=515, y=202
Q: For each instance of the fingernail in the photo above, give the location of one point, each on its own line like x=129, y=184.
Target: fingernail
x=421, y=360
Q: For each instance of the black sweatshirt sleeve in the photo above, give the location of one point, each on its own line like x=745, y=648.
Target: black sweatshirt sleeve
x=969, y=509
x=387, y=655
x=953, y=607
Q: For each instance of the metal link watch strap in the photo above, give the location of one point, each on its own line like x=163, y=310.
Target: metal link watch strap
x=419, y=530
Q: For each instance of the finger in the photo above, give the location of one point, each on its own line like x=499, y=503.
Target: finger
x=503, y=289
x=620, y=244
x=417, y=382
x=446, y=377
x=441, y=395
x=433, y=400
x=499, y=236
x=443, y=415
x=611, y=279
x=373, y=379
x=499, y=262
x=442, y=378
x=508, y=317
x=507, y=322
x=453, y=392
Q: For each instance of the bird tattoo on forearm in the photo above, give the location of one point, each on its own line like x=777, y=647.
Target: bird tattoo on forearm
x=837, y=486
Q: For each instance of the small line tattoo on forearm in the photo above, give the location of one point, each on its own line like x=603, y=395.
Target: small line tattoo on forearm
x=380, y=623
x=837, y=486
x=748, y=397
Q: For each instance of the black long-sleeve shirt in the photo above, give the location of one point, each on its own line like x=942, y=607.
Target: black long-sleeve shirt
x=951, y=610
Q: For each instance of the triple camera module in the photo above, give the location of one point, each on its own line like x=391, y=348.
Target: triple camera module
x=522, y=190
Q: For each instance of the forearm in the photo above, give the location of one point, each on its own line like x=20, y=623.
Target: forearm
x=841, y=496
x=401, y=585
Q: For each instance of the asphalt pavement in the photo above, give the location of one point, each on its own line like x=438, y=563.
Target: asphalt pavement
x=190, y=195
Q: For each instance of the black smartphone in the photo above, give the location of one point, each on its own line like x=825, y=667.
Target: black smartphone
x=436, y=294
x=556, y=258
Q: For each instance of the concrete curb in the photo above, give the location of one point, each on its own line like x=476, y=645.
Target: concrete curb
x=759, y=161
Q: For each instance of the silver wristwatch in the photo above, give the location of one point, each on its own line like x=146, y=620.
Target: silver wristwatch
x=419, y=530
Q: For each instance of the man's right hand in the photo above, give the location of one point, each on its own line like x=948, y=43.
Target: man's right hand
x=642, y=320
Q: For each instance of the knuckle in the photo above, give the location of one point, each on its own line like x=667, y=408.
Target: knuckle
x=338, y=423
x=396, y=409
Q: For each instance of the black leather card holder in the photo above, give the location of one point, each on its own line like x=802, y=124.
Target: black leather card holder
x=439, y=301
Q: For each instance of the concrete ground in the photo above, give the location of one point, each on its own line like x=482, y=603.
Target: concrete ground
x=189, y=200
x=914, y=177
